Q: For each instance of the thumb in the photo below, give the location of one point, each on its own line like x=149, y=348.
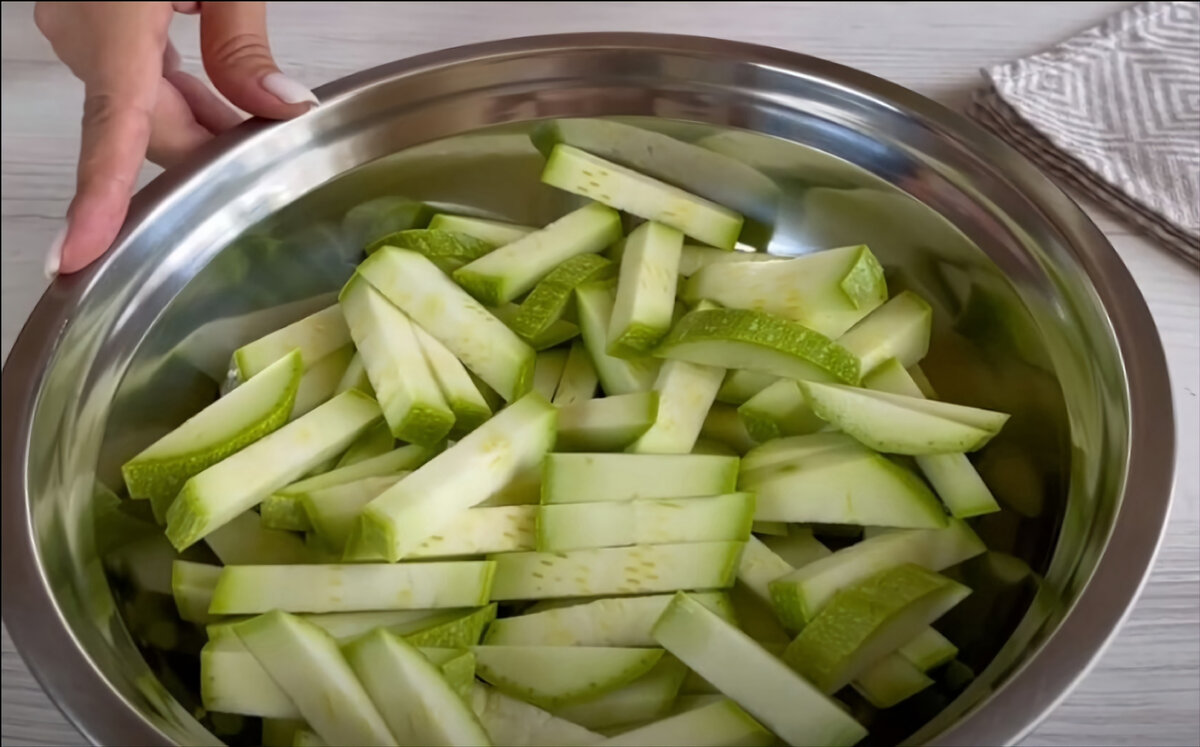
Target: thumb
x=237, y=58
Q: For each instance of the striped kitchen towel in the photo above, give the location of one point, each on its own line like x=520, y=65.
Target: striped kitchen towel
x=1116, y=112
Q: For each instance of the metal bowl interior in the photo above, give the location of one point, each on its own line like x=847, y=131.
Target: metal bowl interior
x=1034, y=315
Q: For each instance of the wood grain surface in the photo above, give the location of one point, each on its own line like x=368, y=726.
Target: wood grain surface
x=1144, y=690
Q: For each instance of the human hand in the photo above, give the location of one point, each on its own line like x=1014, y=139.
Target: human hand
x=138, y=104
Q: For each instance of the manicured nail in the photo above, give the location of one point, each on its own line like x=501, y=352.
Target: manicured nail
x=54, y=255
x=287, y=90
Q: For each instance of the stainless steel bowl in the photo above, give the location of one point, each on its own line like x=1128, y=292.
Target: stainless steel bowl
x=1036, y=315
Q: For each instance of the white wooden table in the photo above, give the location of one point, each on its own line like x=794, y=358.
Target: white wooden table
x=1144, y=691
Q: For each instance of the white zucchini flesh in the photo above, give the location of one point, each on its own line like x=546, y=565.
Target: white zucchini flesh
x=404, y=383
x=230, y=487
x=641, y=569
x=228, y=425
x=767, y=688
x=253, y=589
x=588, y=478
x=579, y=526
x=617, y=621
x=416, y=701
x=582, y=173
x=481, y=464
x=307, y=665
x=433, y=301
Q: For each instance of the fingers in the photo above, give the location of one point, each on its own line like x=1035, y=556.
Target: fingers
x=209, y=110
x=237, y=58
x=116, y=49
x=175, y=132
x=116, y=133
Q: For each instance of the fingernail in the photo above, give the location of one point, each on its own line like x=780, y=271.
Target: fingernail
x=54, y=255
x=288, y=90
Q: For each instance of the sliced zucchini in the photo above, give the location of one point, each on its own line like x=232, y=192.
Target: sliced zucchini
x=226, y=426
x=221, y=492
x=251, y=589
x=953, y=477
x=685, y=393
x=890, y=681
x=872, y=490
x=556, y=334
x=355, y=377
x=617, y=375
x=511, y=721
x=758, y=342
x=469, y=406
x=758, y=567
x=435, y=303
x=548, y=301
x=618, y=621
x=928, y=650
x=492, y=231
x=481, y=464
x=866, y=621
x=457, y=666
x=714, y=176
x=579, y=526
x=898, y=329
x=407, y=457
x=897, y=424
x=780, y=409
x=334, y=511
x=400, y=374
x=448, y=250
x=802, y=594
x=781, y=451
x=245, y=541
x=548, y=370
x=579, y=379
x=588, y=478
x=304, y=661
x=515, y=268
x=695, y=257
x=645, y=569
x=740, y=385
x=232, y=681
x=483, y=530
x=315, y=336
x=718, y=724
x=798, y=548
x=582, y=173
x=374, y=442
x=320, y=381
x=192, y=586
x=416, y=701
x=607, y=423
x=828, y=291
x=553, y=676
x=346, y=626
x=458, y=633
x=723, y=424
x=645, y=299
x=762, y=684
x=647, y=697
x=285, y=513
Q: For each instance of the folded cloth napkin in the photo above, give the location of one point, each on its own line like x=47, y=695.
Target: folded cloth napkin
x=1116, y=112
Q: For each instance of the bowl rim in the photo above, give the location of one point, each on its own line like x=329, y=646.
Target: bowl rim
x=102, y=715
